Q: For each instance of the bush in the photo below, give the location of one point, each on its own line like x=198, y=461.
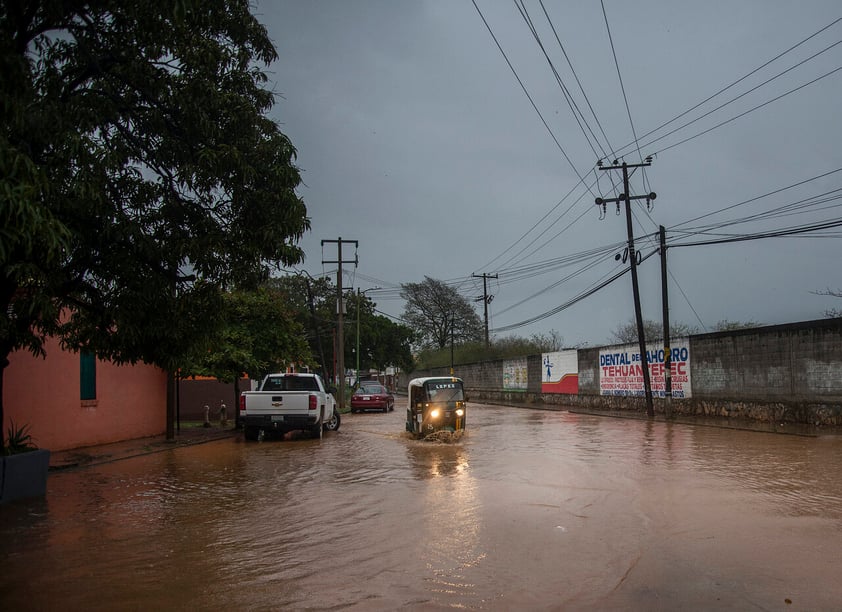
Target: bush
x=18, y=440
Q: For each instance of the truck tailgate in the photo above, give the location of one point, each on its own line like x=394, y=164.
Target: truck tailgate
x=277, y=402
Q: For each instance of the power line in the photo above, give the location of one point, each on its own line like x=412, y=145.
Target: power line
x=578, y=82
x=754, y=199
x=528, y=95
x=568, y=97
x=743, y=114
x=620, y=77
x=738, y=81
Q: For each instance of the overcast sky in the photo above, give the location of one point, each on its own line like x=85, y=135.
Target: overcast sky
x=416, y=139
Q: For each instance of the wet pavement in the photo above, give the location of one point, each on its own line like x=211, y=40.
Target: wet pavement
x=105, y=453
x=530, y=510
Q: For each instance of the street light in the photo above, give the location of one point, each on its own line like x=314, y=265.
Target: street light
x=359, y=295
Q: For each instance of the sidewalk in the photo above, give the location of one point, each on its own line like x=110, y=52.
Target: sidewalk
x=106, y=453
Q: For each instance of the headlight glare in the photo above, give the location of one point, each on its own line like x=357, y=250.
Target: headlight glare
x=434, y=413
x=459, y=412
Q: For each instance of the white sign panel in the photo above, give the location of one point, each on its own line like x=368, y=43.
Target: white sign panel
x=514, y=375
x=621, y=372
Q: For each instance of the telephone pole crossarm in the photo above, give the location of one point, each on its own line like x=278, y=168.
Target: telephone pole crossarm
x=485, y=299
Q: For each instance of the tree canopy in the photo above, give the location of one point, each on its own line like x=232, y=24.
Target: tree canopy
x=438, y=314
x=626, y=333
x=139, y=173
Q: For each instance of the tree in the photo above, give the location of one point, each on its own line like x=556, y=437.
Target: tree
x=139, y=173
x=726, y=325
x=831, y=312
x=392, y=344
x=259, y=335
x=313, y=302
x=626, y=333
x=438, y=314
x=547, y=343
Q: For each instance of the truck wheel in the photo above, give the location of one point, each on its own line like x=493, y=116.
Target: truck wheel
x=333, y=423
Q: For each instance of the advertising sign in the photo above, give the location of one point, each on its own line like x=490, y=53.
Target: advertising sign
x=621, y=372
x=514, y=375
x=560, y=372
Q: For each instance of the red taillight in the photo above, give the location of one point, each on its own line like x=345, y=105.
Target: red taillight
x=242, y=403
x=314, y=402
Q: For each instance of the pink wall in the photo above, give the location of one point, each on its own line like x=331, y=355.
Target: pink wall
x=44, y=393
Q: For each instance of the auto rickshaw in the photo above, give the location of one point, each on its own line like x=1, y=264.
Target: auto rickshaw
x=435, y=404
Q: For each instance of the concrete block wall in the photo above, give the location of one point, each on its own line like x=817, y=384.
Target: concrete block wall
x=785, y=373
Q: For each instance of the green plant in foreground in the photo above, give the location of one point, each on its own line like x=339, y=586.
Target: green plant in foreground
x=18, y=440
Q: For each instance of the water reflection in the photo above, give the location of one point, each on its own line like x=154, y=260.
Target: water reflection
x=448, y=525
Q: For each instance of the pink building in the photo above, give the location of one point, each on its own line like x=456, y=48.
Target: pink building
x=71, y=400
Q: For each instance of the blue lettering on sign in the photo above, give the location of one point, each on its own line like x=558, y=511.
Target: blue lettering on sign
x=609, y=359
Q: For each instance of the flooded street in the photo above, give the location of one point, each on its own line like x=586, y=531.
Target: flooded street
x=530, y=510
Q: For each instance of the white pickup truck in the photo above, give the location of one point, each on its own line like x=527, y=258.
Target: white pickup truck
x=287, y=402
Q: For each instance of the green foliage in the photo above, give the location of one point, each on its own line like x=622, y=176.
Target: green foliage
x=18, y=440
x=439, y=315
x=503, y=348
x=259, y=335
x=382, y=342
x=139, y=174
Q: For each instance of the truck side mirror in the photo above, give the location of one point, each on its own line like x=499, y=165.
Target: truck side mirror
x=332, y=389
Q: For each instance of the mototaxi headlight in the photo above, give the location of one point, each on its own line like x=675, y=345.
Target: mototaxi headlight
x=459, y=412
x=434, y=413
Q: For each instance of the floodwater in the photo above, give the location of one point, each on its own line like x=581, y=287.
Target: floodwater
x=530, y=510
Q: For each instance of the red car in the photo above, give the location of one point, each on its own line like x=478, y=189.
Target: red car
x=371, y=396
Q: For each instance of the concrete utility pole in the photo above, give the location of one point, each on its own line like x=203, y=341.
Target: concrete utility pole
x=665, y=305
x=625, y=197
x=340, y=308
x=486, y=299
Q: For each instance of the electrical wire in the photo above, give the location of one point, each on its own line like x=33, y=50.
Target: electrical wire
x=568, y=97
x=620, y=77
x=743, y=114
x=528, y=95
x=737, y=82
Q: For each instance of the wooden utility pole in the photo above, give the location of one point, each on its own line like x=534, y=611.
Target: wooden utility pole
x=626, y=198
x=340, y=309
x=485, y=299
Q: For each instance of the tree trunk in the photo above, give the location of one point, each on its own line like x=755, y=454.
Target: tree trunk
x=4, y=361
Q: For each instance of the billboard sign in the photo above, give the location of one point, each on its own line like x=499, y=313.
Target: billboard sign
x=621, y=372
x=560, y=372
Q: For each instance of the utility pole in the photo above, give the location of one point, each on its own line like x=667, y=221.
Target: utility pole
x=627, y=198
x=486, y=299
x=665, y=306
x=360, y=294
x=452, y=324
x=340, y=308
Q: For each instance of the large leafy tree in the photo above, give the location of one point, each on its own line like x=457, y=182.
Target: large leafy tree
x=382, y=342
x=139, y=172
x=259, y=335
x=313, y=302
x=439, y=315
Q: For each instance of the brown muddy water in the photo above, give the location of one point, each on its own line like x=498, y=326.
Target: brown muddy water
x=530, y=510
